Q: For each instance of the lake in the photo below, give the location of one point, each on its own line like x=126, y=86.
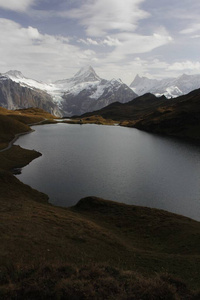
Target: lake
x=115, y=163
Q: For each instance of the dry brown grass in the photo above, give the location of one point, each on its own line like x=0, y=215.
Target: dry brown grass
x=51, y=252
x=88, y=282
x=16, y=157
x=15, y=122
x=91, y=120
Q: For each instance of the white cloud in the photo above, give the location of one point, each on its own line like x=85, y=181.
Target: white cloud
x=130, y=44
x=39, y=55
x=88, y=41
x=152, y=68
x=109, y=41
x=102, y=16
x=44, y=56
x=191, y=29
x=185, y=66
x=16, y=5
x=196, y=36
x=114, y=24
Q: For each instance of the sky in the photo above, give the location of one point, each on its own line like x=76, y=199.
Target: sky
x=52, y=39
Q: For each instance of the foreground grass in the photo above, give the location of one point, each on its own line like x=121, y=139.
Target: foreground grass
x=95, y=250
x=88, y=282
x=143, y=240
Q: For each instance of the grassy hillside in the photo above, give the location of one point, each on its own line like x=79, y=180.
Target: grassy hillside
x=177, y=117
x=113, y=243
x=97, y=249
x=15, y=122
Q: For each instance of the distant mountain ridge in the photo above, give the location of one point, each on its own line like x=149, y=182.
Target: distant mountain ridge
x=84, y=92
x=170, y=87
x=176, y=117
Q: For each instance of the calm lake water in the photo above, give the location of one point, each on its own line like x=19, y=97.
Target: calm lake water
x=116, y=163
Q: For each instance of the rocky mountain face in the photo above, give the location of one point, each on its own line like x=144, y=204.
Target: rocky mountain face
x=15, y=96
x=84, y=92
x=170, y=87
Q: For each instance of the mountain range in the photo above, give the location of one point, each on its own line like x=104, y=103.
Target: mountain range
x=178, y=117
x=84, y=92
x=170, y=87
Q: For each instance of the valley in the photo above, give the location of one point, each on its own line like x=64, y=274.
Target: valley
x=99, y=150
x=94, y=239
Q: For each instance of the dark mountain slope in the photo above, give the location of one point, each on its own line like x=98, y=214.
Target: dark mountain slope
x=178, y=117
x=130, y=111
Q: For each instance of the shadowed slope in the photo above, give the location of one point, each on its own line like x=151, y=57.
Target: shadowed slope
x=177, y=117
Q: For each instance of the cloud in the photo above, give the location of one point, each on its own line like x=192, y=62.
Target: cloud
x=16, y=5
x=114, y=24
x=108, y=41
x=185, y=66
x=88, y=41
x=44, y=56
x=39, y=55
x=131, y=44
x=152, y=68
x=191, y=29
x=102, y=16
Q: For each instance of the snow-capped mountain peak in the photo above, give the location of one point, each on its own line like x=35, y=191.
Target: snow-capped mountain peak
x=86, y=74
x=18, y=77
x=137, y=80
x=14, y=74
x=83, y=92
x=142, y=85
x=170, y=87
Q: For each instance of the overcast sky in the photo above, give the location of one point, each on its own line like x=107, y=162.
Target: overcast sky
x=52, y=39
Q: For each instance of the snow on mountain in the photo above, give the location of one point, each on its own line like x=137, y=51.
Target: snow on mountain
x=170, y=87
x=86, y=78
x=85, y=91
x=15, y=93
x=51, y=89
x=86, y=74
x=18, y=77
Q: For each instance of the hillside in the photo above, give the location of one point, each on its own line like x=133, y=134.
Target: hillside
x=177, y=117
x=13, y=122
x=97, y=249
x=181, y=118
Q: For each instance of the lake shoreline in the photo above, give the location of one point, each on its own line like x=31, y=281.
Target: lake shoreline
x=40, y=241
x=160, y=195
